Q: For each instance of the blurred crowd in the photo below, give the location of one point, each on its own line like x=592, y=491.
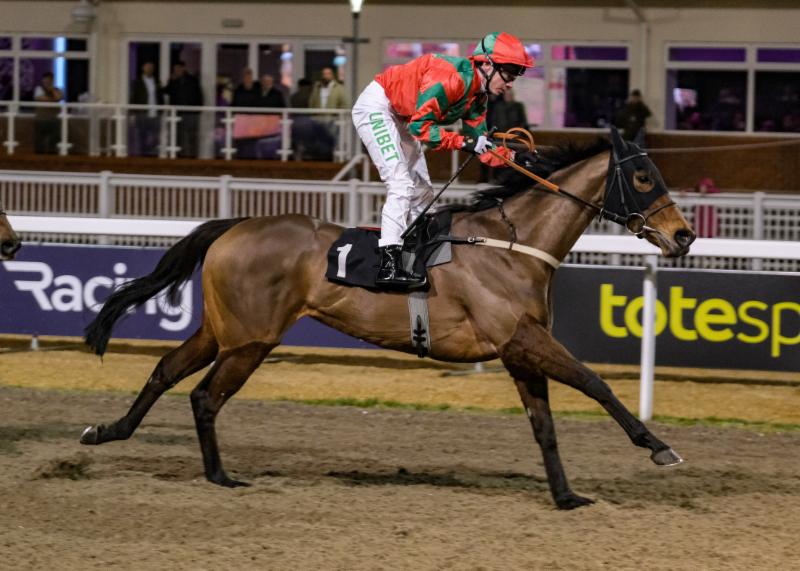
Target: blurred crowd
x=256, y=135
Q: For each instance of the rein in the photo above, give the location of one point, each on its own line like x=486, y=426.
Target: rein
x=634, y=221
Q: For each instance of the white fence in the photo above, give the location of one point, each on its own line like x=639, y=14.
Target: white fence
x=104, y=128
x=587, y=244
x=757, y=216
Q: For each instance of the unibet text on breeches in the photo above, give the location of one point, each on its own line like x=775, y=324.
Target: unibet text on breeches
x=399, y=158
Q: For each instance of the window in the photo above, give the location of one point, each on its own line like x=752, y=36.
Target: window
x=6, y=78
x=276, y=60
x=588, y=84
x=705, y=100
x=24, y=59
x=777, y=101
x=708, y=88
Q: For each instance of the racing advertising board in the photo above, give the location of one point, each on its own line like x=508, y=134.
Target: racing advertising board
x=713, y=319
x=58, y=290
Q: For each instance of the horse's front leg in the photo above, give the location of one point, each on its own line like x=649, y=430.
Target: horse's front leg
x=532, y=347
x=532, y=387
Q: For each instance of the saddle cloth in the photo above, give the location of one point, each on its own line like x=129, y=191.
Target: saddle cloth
x=354, y=259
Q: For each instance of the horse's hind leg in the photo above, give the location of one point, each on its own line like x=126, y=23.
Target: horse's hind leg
x=230, y=371
x=195, y=353
x=533, y=348
x=532, y=389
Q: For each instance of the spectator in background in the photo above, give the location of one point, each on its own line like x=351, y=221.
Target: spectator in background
x=301, y=97
x=184, y=89
x=47, y=126
x=328, y=93
x=632, y=117
x=270, y=96
x=706, y=220
x=225, y=91
x=508, y=113
x=145, y=90
x=248, y=94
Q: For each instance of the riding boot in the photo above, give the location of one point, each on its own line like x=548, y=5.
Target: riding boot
x=391, y=272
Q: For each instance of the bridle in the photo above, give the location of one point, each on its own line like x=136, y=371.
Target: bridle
x=635, y=221
x=633, y=217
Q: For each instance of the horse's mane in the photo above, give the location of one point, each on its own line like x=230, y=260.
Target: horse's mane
x=549, y=160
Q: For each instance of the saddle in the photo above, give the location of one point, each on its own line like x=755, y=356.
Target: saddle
x=353, y=259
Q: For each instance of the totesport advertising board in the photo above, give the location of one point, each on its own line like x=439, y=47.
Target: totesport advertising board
x=703, y=318
x=717, y=319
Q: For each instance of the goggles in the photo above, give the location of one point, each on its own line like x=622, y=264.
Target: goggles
x=509, y=72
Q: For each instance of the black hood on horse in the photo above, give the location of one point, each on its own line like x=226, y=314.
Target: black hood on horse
x=633, y=183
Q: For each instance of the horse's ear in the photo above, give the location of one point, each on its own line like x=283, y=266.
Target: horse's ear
x=617, y=141
x=639, y=139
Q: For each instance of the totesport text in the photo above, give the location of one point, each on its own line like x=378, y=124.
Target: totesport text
x=689, y=319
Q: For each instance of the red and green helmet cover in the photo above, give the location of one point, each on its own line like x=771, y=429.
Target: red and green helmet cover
x=502, y=48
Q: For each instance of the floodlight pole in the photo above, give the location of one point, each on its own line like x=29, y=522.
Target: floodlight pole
x=355, y=9
x=354, y=64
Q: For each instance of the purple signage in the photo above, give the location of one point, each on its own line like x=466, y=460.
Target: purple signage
x=57, y=290
x=703, y=318
x=703, y=54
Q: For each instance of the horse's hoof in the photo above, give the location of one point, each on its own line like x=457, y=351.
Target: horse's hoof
x=226, y=482
x=572, y=501
x=90, y=435
x=666, y=457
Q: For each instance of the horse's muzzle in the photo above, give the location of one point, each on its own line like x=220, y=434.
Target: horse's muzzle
x=9, y=248
x=684, y=238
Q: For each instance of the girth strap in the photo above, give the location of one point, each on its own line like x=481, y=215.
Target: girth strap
x=551, y=260
x=527, y=250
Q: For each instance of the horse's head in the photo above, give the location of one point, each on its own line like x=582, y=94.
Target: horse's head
x=9, y=241
x=637, y=198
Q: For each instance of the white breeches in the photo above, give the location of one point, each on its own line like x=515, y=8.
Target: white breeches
x=399, y=158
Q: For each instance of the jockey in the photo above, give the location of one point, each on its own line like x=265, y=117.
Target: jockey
x=406, y=106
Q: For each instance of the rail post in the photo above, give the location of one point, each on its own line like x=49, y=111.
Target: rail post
x=120, y=147
x=224, y=196
x=286, y=136
x=756, y=264
x=228, y=121
x=648, y=357
x=10, y=141
x=105, y=199
x=341, y=137
x=106, y=203
x=172, y=133
x=352, y=203
x=64, y=144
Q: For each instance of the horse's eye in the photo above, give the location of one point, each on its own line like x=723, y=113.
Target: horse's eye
x=643, y=179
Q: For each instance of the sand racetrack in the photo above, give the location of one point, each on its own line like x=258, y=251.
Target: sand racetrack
x=353, y=487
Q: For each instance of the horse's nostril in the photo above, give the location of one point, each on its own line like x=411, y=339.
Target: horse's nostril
x=10, y=247
x=684, y=237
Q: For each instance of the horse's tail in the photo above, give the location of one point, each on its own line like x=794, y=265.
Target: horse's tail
x=174, y=268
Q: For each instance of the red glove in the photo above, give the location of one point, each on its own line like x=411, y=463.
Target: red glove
x=489, y=159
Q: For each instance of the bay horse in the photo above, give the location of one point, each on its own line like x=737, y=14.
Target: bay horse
x=260, y=275
x=9, y=241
